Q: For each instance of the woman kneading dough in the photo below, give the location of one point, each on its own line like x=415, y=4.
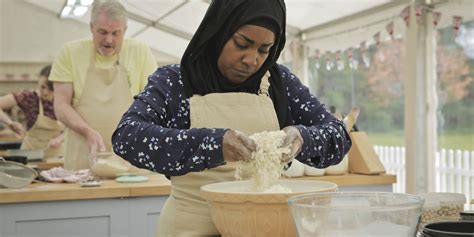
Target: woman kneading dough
x=193, y=120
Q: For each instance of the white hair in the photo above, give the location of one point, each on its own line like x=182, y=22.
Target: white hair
x=113, y=8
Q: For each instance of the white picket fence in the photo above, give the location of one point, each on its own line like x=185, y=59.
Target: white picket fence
x=454, y=169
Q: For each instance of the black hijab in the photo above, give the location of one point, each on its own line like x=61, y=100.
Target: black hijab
x=223, y=18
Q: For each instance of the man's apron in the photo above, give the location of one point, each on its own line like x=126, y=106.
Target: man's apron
x=42, y=131
x=185, y=213
x=105, y=97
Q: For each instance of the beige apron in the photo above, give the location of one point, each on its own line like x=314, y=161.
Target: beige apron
x=105, y=97
x=42, y=131
x=185, y=213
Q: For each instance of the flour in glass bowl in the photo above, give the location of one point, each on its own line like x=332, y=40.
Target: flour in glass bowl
x=265, y=167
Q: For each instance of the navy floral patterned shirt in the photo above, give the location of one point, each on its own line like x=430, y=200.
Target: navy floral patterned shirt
x=155, y=132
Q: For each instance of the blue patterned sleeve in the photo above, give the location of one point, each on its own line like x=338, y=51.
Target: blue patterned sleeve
x=326, y=141
x=154, y=133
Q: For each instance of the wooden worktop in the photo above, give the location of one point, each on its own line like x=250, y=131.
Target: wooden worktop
x=46, y=164
x=158, y=185
x=7, y=135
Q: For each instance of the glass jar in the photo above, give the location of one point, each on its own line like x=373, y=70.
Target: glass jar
x=442, y=207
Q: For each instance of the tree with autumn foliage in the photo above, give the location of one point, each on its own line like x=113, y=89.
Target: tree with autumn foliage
x=380, y=87
x=455, y=85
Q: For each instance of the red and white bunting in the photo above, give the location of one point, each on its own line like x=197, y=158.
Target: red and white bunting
x=327, y=55
x=390, y=29
x=418, y=12
x=350, y=53
x=363, y=47
x=436, y=18
x=377, y=38
x=329, y=63
x=364, y=56
x=353, y=63
x=339, y=62
x=457, y=21
x=316, y=57
x=405, y=15
x=316, y=54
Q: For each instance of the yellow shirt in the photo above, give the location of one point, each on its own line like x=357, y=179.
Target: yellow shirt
x=73, y=61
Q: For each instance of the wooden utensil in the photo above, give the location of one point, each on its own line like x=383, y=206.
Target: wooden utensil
x=351, y=118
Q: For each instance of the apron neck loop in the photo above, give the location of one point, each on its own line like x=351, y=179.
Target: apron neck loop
x=264, y=85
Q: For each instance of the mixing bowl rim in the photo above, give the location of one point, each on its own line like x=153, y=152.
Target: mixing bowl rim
x=331, y=186
x=419, y=201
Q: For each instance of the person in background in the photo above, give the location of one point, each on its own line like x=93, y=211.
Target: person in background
x=186, y=122
x=94, y=81
x=43, y=130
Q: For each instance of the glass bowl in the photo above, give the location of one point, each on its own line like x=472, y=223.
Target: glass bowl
x=356, y=214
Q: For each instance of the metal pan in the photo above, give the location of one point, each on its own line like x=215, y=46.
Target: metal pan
x=5, y=145
x=19, y=159
x=31, y=155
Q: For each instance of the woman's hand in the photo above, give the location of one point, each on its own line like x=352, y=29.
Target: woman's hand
x=17, y=128
x=56, y=142
x=294, y=140
x=237, y=146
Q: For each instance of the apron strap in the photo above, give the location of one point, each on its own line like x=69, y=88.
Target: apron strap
x=40, y=105
x=264, y=85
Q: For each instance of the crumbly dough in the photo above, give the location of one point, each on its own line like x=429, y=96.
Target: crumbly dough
x=265, y=167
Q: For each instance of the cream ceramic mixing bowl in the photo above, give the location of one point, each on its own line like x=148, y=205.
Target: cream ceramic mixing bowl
x=356, y=214
x=238, y=212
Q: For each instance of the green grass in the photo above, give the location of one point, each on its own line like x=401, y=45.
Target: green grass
x=446, y=140
x=456, y=141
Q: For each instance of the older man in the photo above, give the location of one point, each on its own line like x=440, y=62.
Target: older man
x=94, y=82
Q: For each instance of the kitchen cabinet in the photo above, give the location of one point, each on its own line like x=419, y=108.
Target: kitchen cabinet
x=114, y=209
x=132, y=216
x=68, y=210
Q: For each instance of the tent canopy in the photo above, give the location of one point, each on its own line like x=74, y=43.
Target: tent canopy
x=167, y=25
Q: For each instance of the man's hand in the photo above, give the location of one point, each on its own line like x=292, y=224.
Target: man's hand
x=294, y=141
x=237, y=146
x=95, y=142
x=63, y=93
